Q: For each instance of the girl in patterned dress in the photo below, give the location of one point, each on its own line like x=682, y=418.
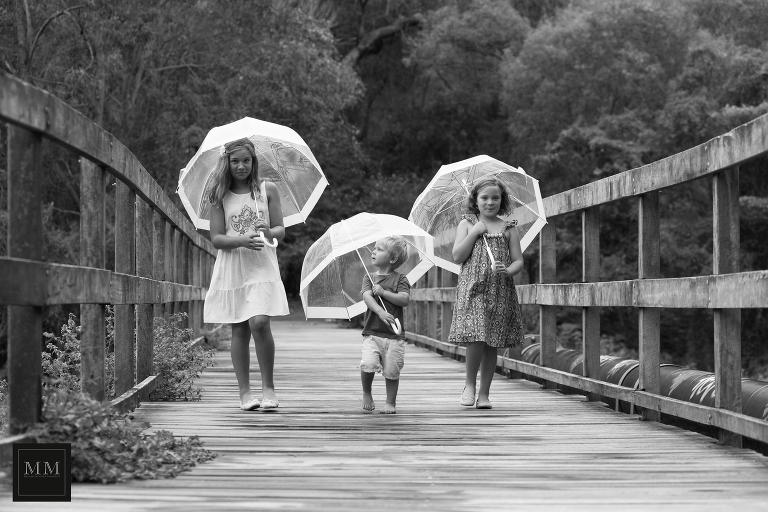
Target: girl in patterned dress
x=486, y=314
x=245, y=288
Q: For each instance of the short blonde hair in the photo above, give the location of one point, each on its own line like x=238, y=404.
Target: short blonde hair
x=397, y=248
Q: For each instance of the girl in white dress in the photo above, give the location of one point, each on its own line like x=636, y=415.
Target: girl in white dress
x=245, y=287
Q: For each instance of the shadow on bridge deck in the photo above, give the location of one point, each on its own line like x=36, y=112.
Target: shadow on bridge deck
x=536, y=449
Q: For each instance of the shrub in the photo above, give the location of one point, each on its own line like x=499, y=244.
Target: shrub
x=107, y=446
x=61, y=364
x=178, y=364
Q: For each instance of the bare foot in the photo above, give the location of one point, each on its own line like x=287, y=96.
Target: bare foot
x=368, y=404
x=388, y=409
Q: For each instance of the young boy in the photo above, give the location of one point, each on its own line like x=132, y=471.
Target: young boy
x=383, y=349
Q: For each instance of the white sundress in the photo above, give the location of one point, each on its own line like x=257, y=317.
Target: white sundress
x=244, y=282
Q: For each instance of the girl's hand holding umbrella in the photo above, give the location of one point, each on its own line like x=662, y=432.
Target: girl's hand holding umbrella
x=262, y=229
x=389, y=318
x=252, y=241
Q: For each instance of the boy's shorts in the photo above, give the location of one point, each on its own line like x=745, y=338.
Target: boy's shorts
x=383, y=355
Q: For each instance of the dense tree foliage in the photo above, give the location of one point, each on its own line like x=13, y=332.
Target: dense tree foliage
x=385, y=91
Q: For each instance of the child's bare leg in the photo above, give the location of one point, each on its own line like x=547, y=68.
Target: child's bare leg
x=241, y=359
x=367, y=380
x=392, y=385
x=265, y=352
x=487, y=369
x=474, y=358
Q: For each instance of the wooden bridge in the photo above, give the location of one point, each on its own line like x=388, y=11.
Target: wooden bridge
x=536, y=448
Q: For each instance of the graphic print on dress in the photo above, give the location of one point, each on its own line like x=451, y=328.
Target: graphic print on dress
x=247, y=219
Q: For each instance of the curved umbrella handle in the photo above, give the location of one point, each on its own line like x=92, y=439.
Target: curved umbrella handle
x=267, y=242
x=396, y=326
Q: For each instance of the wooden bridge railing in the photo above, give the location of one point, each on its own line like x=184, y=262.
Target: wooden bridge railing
x=162, y=265
x=725, y=291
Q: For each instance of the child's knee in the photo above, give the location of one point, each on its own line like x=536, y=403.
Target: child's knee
x=259, y=324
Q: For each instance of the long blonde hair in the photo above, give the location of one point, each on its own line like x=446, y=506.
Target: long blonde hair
x=223, y=179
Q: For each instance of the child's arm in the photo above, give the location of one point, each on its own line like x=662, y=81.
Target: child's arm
x=466, y=234
x=398, y=299
x=222, y=241
x=276, y=230
x=517, y=256
x=375, y=307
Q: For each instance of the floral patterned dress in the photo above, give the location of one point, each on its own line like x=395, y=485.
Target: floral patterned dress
x=486, y=307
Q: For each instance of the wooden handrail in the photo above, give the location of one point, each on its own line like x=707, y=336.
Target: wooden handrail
x=162, y=265
x=725, y=292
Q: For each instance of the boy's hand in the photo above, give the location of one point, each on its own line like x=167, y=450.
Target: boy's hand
x=377, y=290
x=386, y=317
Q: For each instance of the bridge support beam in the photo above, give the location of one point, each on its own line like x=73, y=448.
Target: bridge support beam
x=25, y=240
x=548, y=275
x=649, y=267
x=590, y=341
x=725, y=260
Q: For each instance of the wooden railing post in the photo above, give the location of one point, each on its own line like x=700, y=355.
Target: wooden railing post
x=125, y=263
x=195, y=307
x=548, y=275
x=422, y=313
x=92, y=254
x=177, y=259
x=432, y=305
x=448, y=279
x=725, y=260
x=25, y=240
x=158, y=255
x=144, y=310
x=649, y=318
x=590, y=343
x=168, y=265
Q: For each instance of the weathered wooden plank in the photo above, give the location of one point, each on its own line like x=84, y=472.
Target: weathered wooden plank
x=92, y=254
x=24, y=105
x=721, y=418
x=547, y=274
x=725, y=259
x=432, y=307
x=433, y=294
x=649, y=267
x=125, y=263
x=130, y=400
x=738, y=290
x=158, y=255
x=738, y=146
x=590, y=315
x=447, y=280
x=144, y=311
x=25, y=240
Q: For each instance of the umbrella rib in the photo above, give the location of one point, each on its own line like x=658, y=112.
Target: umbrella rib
x=277, y=170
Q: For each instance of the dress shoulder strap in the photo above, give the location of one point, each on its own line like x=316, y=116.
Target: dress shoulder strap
x=471, y=218
x=510, y=224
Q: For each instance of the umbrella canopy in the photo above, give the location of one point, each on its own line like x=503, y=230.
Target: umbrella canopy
x=283, y=157
x=334, y=266
x=439, y=207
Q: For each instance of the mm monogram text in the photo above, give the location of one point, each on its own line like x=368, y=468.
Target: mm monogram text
x=30, y=470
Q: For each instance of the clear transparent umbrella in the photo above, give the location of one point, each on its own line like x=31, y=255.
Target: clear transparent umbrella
x=439, y=207
x=284, y=159
x=334, y=266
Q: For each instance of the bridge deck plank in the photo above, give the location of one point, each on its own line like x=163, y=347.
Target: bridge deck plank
x=536, y=449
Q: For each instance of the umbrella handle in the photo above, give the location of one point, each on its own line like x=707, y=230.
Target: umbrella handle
x=396, y=326
x=266, y=242
x=490, y=254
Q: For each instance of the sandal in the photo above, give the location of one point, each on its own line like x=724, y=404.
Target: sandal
x=466, y=401
x=484, y=404
x=250, y=405
x=268, y=403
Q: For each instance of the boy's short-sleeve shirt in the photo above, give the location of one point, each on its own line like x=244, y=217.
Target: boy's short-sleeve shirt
x=374, y=326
